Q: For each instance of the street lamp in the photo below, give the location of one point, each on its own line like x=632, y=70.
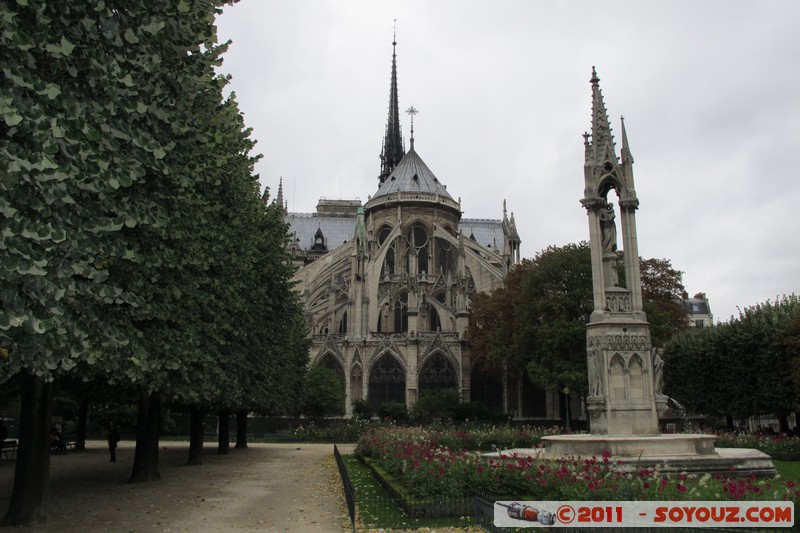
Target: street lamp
x=566, y=410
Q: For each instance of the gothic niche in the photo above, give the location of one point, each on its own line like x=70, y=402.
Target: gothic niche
x=356, y=383
x=387, y=382
x=437, y=373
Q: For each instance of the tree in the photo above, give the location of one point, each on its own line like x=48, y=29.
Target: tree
x=131, y=220
x=538, y=320
x=551, y=324
x=741, y=368
x=323, y=393
x=70, y=148
x=662, y=295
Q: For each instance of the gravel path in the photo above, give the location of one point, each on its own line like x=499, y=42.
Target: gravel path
x=267, y=487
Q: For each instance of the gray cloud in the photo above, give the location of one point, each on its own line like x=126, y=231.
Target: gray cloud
x=708, y=90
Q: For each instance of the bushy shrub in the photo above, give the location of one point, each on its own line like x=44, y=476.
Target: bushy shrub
x=362, y=410
x=437, y=405
x=396, y=411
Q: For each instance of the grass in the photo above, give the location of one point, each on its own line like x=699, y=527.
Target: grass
x=375, y=508
x=788, y=469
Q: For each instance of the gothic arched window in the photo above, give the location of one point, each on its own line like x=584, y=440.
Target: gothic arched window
x=387, y=382
x=437, y=373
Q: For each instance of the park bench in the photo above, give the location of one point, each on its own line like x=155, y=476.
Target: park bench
x=8, y=449
x=61, y=447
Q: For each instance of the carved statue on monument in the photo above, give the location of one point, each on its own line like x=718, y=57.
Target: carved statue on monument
x=595, y=373
x=608, y=227
x=658, y=373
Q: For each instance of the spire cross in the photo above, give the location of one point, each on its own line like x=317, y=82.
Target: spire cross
x=411, y=112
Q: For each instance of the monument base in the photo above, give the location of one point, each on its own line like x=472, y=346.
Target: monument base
x=668, y=453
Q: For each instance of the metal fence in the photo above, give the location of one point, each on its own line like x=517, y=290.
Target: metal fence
x=392, y=511
x=349, y=490
x=388, y=512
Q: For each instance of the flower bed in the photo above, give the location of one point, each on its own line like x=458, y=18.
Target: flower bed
x=774, y=445
x=416, y=458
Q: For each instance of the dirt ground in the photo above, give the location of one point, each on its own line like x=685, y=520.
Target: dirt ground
x=267, y=487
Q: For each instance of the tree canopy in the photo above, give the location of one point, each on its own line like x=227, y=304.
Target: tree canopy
x=745, y=367
x=137, y=249
x=538, y=320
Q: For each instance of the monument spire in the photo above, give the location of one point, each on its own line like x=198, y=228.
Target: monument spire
x=627, y=157
x=602, y=140
x=393, y=149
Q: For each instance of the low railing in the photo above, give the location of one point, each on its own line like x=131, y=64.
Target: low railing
x=392, y=511
x=347, y=485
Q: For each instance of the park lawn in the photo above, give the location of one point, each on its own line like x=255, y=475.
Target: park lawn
x=789, y=470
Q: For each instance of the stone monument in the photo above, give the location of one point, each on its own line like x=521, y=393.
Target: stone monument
x=625, y=372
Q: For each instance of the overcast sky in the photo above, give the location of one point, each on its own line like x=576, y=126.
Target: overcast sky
x=710, y=91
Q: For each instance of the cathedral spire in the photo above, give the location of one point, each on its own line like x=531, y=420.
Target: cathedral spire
x=279, y=198
x=393, y=149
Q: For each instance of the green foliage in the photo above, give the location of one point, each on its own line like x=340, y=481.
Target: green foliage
x=72, y=144
x=136, y=246
x=362, y=410
x=437, y=405
x=323, y=393
x=662, y=294
x=740, y=368
x=538, y=320
x=394, y=411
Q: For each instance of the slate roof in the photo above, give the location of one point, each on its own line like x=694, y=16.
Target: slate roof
x=337, y=230
x=412, y=175
x=486, y=232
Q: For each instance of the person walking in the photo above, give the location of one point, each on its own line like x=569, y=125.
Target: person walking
x=113, y=439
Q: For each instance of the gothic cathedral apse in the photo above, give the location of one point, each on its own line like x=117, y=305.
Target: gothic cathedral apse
x=387, y=285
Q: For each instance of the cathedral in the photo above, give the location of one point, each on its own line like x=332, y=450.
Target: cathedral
x=387, y=285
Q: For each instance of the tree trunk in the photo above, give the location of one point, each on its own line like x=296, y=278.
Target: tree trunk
x=729, y=423
x=80, y=431
x=196, y=434
x=241, y=429
x=145, y=459
x=29, y=495
x=224, y=437
x=783, y=424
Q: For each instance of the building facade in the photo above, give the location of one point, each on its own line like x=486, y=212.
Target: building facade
x=698, y=311
x=387, y=285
